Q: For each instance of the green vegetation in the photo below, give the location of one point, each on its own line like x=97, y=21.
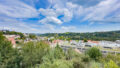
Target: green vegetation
x=110, y=36
x=85, y=40
x=40, y=55
x=94, y=53
x=9, y=56
x=32, y=36
x=13, y=33
x=111, y=64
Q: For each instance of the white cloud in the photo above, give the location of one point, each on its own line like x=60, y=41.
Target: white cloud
x=67, y=15
x=68, y=28
x=52, y=14
x=51, y=19
x=17, y=9
x=48, y=12
x=48, y=27
x=62, y=11
x=12, y=24
x=103, y=11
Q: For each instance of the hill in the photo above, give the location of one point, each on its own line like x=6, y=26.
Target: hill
x=109, y=35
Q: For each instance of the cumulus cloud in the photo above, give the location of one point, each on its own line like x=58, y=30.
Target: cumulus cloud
x=12, y=24
x=58, y=12
x=52, y=14
x=104, y=11
x=51, y=19
x=68, y=28
x=17, y=9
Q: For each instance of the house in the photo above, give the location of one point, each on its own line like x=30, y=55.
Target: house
x=12, y=38
x=73, y=42
x=109, y=44
x=81, y=43
x=91, y=43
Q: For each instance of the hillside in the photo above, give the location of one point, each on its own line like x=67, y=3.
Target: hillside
x=110, y=35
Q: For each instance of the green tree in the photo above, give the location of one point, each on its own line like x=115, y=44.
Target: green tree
x=9, y=56
x=111, y=64
x=78, y=64
x=32, y=36
x=58, y=63
x=71, y=53
x=85, y=40
x=1, y=37
x=94, y=53
x=58, y=52
x=33, y=52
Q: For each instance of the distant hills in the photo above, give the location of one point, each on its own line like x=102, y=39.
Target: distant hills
x=109, y=35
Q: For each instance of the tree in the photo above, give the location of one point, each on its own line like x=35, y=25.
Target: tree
x=9, y=56
x=68, y=39
x=32, y=53
x=78, y=64
x=71, y=53
x=85, y=59
x=1, y=36
x=32, y=36
x=94, y=53
x=111, y=64
x=58, y=52
x=85, y=40
x=58, y=63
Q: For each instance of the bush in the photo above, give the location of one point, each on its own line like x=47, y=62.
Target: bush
x=86, y=59
x=33, y=52
x=56, y=64
x=94, y=64
x=78, y=64
x=9, y=56
x=111, y=64
x=71, y=53
x=94, y=53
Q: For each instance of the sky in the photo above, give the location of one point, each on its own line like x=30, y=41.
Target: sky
x=58, y=16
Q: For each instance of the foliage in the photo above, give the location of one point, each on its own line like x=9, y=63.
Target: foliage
x=115, y=58
x=111, y=35
x=14, y=33
x=40, y=55
x=58, y=52
x=9, y=56
x=32, y=53
x=71, y=53
x=86, y=59
x=85, y=40
x=78, y=64
x=94, y=53
x=111, y=64
x=32, y=36
x=94, y=64
x=57, y=64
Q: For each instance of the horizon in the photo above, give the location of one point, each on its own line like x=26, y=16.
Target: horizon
x=60, y=16
x=62, y=32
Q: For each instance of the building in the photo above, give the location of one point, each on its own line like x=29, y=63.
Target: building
x=12, y=38
x=109, y=44
x=91, y=43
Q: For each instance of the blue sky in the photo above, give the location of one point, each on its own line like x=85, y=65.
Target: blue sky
x=49, y=16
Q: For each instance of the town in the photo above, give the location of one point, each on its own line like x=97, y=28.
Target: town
x=80, y=45
x=59, y=33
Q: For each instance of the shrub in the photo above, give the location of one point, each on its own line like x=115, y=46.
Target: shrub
x=111, y=64
x=94, y=53
x=86, y=59
x=78, y=64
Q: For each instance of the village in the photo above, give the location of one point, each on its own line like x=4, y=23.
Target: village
x=79, y=45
